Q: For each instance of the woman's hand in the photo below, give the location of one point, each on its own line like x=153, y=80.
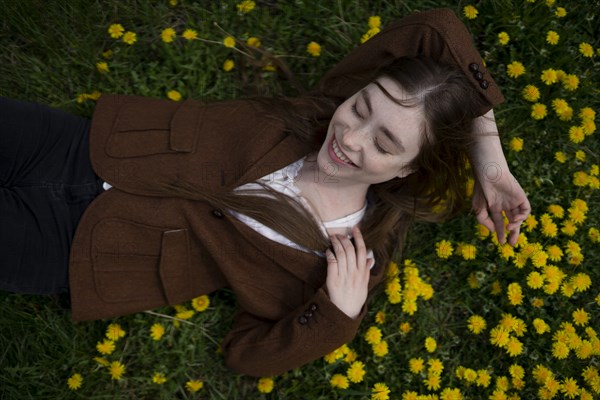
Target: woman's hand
x=348, y=273
x=502, y=193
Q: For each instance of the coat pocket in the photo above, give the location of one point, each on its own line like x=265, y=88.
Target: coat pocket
x=149, y=126
x=135, y=262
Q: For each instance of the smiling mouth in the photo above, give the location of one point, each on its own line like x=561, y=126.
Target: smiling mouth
x=338, y=155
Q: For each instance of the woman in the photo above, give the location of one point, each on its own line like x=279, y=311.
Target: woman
x=381, y=142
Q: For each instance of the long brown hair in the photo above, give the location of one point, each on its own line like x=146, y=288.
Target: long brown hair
x=435, y=191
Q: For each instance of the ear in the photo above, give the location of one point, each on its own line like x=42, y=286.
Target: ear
x=406, y=171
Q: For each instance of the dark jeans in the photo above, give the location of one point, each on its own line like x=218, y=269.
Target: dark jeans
x=46, y=182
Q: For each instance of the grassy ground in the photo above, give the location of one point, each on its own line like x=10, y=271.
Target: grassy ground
x=50, y=52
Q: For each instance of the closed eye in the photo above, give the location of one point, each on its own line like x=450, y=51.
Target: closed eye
x=375, y=142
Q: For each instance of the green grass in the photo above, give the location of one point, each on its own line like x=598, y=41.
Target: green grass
x=49, y=51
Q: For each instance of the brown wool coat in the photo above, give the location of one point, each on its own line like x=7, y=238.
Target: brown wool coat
x=135, y=250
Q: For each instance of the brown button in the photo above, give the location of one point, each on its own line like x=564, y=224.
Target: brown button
x=217, y=213
x=308, y=314
x=478, y=75
x=484, y=84
x=313, y=307
x=302, y=320
x=473, y=67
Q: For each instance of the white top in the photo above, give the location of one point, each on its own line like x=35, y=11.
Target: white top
x=283, y=181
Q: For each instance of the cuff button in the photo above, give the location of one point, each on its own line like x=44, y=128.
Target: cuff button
x=484, y=84
x=313, y=307
x=302, y=320
x=473, y=67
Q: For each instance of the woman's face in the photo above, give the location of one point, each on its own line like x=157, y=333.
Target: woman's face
x=370, y=138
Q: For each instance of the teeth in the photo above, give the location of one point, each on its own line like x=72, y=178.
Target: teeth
x=338, y=153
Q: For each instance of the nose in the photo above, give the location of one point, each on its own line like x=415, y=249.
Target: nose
x=354, y=138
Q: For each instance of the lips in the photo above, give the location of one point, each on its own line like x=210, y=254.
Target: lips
x=337, y=159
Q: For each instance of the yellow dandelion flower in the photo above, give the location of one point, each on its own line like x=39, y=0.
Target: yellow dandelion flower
x=552, y=37
x=594, y=235
x=515, y=69
x=228, y=65
x=541, y=374
x=433, y=382
x=380, y=391
x=229, y=42
x=539, y=258
x=159, y=378
x=580, y=317
x=451, y=394
x=405, y=327
x=586, y=49
x=116, y=370
x=469, y=375
x=535, y=280
x=569, y=228
x=174, y=95
x=444, y=249
x=549, y=76
x=531, y=93
x=476, y=324
x=473, y=281
x=356, y=372
x=580, y=178
x=538, y=111
x=585, y=350
x=75, y=381
x=560, y=350
x=380, y=317
x=516, y=144
x=435, y=366
x=502, y=383
x=560, y=12
x=373, y=335
x=556, y=210
x=116, y=31
x=483, y=378
x=245, y=6
x=265, y=385
x=549, y=229
x=499, y=336
x=515, y=294
x=129, y=38
x=380, y=349
x=514, y=347
x=594, y=170
x=430, y=344
x=581, y=282
x=314, y=49
x=157, y=331
x=470, y=12
x=576, y=134
x=102, y=67
x=374, y=22
x=105, y=347
x=516, y=371
x=482, y=231
x=102, y=361
x=569, y=388
x=587, y=113
x=370, y=33
x=115, y=332
x=588, y=126
x=537, y=302
x=168, y=35
x=560, y=156
x=189, y=34
x=253, y=42
x=339, y=381
x=503, y=38
x=416, y=365
x=201, y=303
x=194, y=385
x=496, y=288
x=570, y=82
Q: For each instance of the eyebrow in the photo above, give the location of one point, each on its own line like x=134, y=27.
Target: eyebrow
x=396, y=141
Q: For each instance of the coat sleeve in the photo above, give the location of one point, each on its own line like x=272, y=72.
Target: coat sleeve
x=259, y=347
x=436, y=33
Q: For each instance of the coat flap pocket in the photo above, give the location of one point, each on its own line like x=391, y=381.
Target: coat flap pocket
x=174, y=265
x=184, y=126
